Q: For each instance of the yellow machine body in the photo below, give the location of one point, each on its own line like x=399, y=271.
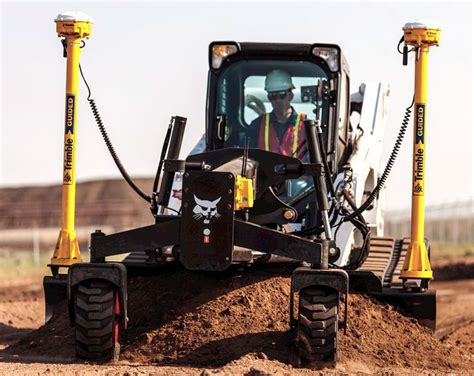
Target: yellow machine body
x=73, y=27
x=243, y=193
x=417, y=266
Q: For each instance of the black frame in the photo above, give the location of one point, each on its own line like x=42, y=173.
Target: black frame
x=273, y=169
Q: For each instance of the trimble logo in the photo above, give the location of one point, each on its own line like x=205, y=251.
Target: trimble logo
x=68, y=154
x=68, y=160
x=419, y=170
x=419, y=163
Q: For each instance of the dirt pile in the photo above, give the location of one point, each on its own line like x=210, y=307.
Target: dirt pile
x=455, y=271
x=208, y=320
x=462, y=337
x=104, y=202
x=18, y=311
x=380, y=336
x=54, y=340
x=195, y=319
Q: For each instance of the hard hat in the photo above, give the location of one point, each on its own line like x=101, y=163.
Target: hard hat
x=278, y=80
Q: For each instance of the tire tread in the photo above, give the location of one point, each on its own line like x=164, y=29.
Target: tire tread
x=95, y=321
x=316, y=335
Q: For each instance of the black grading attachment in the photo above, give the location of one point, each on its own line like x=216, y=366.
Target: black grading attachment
x=55, y=292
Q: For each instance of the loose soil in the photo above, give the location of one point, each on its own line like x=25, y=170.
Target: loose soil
x=232, y=323
x=237, y=323
x=20, y=304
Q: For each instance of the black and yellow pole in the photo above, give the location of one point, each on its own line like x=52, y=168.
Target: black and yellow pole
x=421, y=35
x=73, y=27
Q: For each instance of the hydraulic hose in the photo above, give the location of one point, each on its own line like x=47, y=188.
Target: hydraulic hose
x=109, y=145
x=154, y=205
x=388, y=167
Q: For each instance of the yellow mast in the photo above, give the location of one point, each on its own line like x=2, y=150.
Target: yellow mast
x=420, y=34
x=73, y=26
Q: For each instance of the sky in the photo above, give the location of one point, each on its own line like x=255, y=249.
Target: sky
x=147, y=61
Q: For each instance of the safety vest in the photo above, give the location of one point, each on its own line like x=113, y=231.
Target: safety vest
x=293, y=138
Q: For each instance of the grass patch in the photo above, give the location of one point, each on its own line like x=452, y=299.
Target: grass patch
x=446, y=250
x=22, y=264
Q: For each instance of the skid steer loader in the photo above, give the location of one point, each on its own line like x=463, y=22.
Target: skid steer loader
x=319, y=208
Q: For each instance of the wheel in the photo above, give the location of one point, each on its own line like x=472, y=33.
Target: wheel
x=97, y=313
x=316, y=336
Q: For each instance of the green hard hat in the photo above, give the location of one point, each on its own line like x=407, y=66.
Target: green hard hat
x=278, y=80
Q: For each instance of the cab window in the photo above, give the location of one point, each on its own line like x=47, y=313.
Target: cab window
x=241, y=95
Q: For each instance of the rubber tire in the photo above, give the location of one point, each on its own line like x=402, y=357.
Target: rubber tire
x=316, y=335
x=96, y=332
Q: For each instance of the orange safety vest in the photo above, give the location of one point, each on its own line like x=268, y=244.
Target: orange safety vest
x=293, y=138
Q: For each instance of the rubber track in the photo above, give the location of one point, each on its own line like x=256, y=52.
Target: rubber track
x=397, y=249
x=380, y=255
x=317, y=325
x=95, y=318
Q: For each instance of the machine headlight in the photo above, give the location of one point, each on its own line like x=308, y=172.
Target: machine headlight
x=220, y=52
x=330, y=55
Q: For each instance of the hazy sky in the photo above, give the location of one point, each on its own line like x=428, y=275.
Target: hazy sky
x=147, y=61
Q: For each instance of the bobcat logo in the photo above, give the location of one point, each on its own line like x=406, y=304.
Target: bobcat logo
x=205, y=209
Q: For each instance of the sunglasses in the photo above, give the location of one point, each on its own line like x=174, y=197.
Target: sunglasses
x=278, y=94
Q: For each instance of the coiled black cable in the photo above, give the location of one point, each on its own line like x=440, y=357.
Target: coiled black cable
x=388, y=167
x=106, y=138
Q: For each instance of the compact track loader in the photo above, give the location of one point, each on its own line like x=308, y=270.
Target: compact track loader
x=240, y=204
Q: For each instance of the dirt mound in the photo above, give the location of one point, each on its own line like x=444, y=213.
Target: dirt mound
x=104, y=202
x=19, y=307
x=20, y=293
x=54, y=340
x=462, y=337
x=185, y=318
x=454, y=271
x=208, y=320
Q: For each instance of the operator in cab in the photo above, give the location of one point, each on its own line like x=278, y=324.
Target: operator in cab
x=282, y=130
